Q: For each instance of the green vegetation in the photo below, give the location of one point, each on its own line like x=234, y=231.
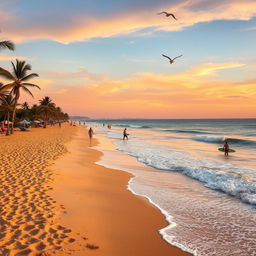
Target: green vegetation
x=10, y=93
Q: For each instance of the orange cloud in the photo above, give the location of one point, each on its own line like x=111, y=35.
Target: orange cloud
x=211, y=69
x=183, y=95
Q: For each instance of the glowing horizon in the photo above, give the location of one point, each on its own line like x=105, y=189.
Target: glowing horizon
x=104, y=60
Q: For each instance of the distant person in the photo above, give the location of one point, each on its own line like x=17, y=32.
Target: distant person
x=125, y=134
x=90, y=133
x=59, y=123
x=226, y=148
x=109, y=126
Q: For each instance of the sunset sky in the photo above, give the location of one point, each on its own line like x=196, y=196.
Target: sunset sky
x=102, y=58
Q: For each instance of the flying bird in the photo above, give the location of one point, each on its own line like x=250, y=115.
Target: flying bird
x=168, y=14
x=170, y=59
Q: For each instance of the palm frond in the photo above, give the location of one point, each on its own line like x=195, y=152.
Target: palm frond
x=45, y=101
x=6, y=87
x=32, y=75
x=27, y=91
x=7, y=103
x=13, y=90
x=20, y=68
x=14, y=69
x=6, y=74
x=31, y=85
x=43, y=109
x=24, y=70
x=3, y=90
x=7, y=44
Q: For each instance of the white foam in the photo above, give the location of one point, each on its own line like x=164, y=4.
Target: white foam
x=201, y=221
x=226, y=177
x=206, y=138
x=168, y=217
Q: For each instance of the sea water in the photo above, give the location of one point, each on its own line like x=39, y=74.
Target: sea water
x=208, y=199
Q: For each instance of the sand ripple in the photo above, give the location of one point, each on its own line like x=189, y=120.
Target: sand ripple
x=28, y=215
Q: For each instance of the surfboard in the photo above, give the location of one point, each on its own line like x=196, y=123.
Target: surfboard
x=229, y=151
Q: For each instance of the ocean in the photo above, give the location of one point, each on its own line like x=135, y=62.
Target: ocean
x=209, y=200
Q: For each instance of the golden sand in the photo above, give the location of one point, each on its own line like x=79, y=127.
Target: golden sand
x=86, y=211
x=110, y=220
x=28, y=215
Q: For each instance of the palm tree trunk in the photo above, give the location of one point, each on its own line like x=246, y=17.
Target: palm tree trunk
x=45, y=120
x=14, y=109
x=13, y=114
x=8, y=123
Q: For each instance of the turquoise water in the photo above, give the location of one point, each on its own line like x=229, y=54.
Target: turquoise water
x=198, y=189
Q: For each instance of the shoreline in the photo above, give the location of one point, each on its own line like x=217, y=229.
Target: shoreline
x=106, y=217
x=106, y=147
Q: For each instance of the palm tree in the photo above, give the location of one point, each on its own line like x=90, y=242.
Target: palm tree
x=25, y=105
x=18, y=82
x=46, y=109
x=33, y=112
x=65, y=116
x=2, y=94
x=7, y=44
x=57, y=113
x=7, y=106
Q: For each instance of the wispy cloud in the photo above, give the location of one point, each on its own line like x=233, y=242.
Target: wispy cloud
x=4, y=57
x=83, y=25
x=211, y=68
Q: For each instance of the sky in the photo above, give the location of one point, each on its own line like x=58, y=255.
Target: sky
x=103, y=59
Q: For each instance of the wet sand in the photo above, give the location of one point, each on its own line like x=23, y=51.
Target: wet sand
x=56, y=201
x=106, y=218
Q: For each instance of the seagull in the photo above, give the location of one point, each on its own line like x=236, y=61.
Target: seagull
x=167, y=14
x=170, y=59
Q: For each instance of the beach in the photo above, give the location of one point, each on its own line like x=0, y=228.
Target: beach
x=208, y=199
x=120, y=135
x=55, y=200
x=28, y=215
x=100, y=208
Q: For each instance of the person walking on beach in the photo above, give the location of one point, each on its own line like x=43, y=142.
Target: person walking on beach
x=125, y=134
x=90, y=132
x=226, y=148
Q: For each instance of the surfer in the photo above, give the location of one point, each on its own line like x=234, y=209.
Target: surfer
x=125, y=134
x=226, y=148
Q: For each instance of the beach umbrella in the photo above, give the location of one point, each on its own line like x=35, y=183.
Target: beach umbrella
x=6, y=122
x=24, y=122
